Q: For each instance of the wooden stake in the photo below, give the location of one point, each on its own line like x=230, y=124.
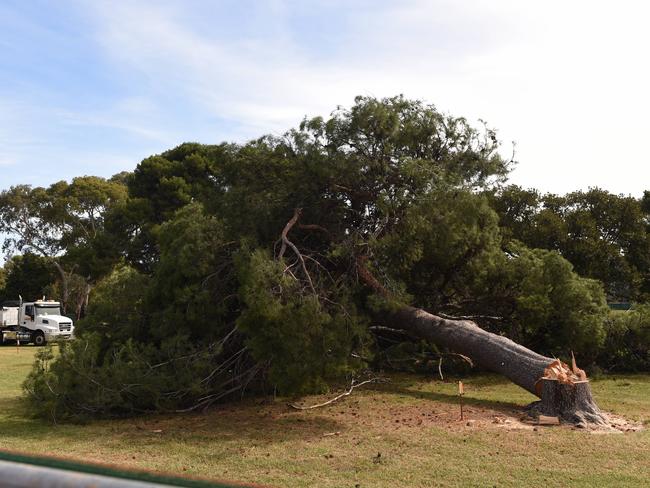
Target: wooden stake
x=461, y=392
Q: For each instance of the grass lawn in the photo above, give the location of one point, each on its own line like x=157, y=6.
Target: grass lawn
x=411, y=422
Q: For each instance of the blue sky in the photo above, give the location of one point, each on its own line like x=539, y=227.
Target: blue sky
x=93, y=87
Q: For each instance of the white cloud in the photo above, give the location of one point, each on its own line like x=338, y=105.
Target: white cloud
x=566, y=80
x=270, y=83
x=137, y=116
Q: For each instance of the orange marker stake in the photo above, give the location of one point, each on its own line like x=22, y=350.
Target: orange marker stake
x=461, y=392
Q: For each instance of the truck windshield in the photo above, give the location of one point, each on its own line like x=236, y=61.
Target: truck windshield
x=48, y=310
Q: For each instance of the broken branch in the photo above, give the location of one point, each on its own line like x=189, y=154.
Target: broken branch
x=353, y=385
x=285, y=231
x=286, y=242
x=468, y=317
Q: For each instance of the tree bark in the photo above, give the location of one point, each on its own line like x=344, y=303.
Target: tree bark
x=571, y=401
x=64, y=285
x=84, y=308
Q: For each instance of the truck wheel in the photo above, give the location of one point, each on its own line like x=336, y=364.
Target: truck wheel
x=38, y=338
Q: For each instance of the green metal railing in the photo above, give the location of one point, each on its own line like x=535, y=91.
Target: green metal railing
x=21, y=470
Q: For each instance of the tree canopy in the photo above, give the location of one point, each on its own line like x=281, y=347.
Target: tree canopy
x=65, y=224
x=604, y=236
x=233, y=268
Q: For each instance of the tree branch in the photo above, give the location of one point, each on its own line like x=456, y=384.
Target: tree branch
x=286, y=242
x=369, y=279
x=285, y=231
x=467, y=317
x=353, y=385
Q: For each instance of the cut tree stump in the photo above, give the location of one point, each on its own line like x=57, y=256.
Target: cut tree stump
x=570, y=401
x=568, y=396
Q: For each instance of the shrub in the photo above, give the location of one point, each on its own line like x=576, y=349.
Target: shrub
x=627, y=342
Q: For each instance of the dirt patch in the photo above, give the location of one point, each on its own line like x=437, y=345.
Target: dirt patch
x=521, y=421
x=618, y=424
x=379, y=411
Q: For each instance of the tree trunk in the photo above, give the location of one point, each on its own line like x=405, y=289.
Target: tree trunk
x=82, y=302
x=86, y=301
x=64, y=285
x=571, y=401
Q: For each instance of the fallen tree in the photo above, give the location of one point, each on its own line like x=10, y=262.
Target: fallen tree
x=262, y=264
x=567, y=396
x=564, y=391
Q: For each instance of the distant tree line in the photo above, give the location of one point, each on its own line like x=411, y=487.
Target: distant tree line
x=604, y=236
x=217, y=270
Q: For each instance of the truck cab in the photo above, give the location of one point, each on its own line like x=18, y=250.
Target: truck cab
x=38, y=322
x=45, y=321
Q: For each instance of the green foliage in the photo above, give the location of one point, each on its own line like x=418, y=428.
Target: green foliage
x=66, y=224
x=440, y=246
x=117, y=311
x=305, y=343
x=555, y=310
x=193, y=284
x=162, y=335
x=240, y=263
x=84, y=381
x=25, y=218
x=604, y=236
x=28, y=275
x=159, y=187
x=148, y=342
x=61, y=217
x=627, y=345
x=407, y=144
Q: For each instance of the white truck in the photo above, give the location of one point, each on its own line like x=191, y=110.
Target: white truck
x=38, y=322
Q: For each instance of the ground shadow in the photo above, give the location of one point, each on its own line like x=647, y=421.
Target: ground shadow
x=499, y=406
x=256, y=422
